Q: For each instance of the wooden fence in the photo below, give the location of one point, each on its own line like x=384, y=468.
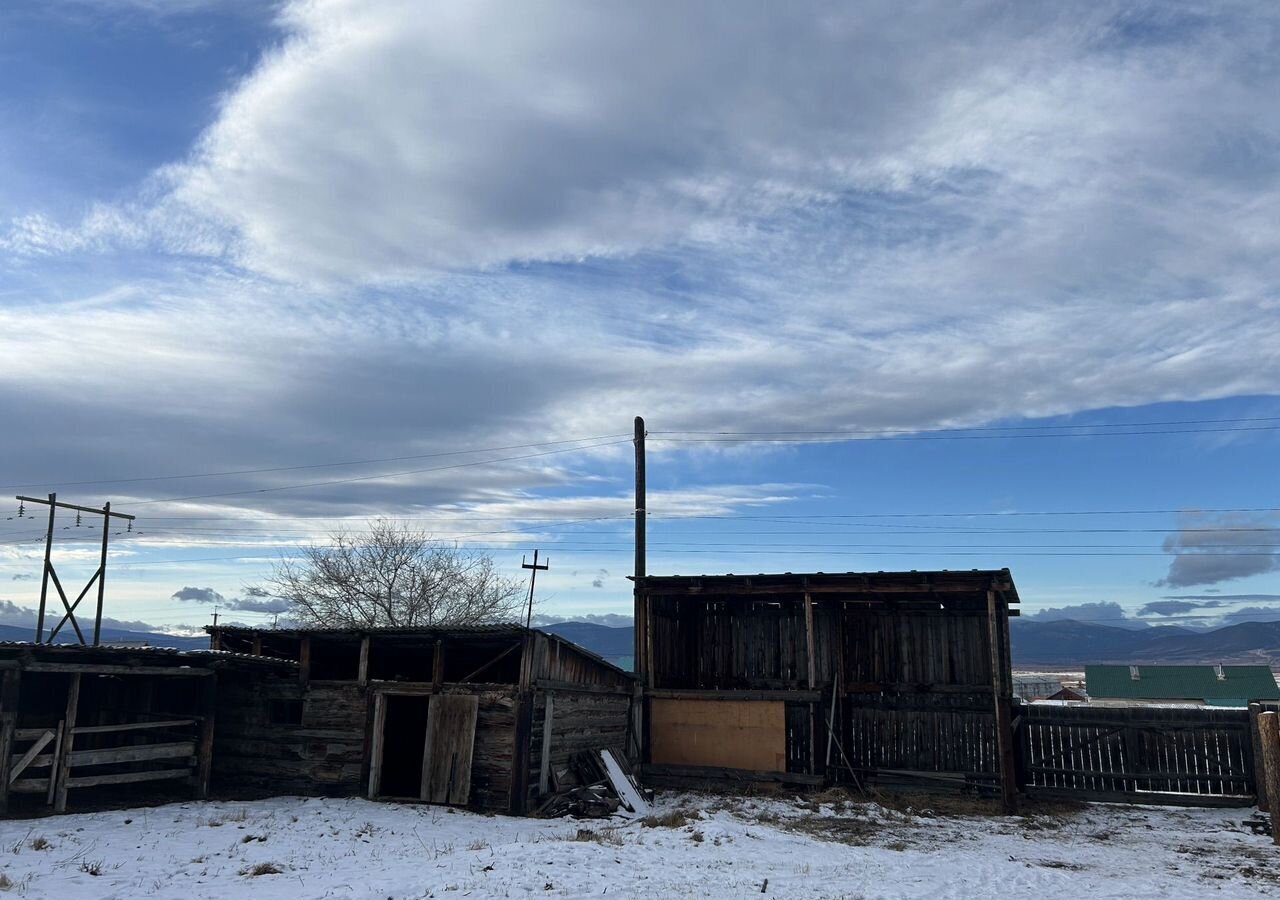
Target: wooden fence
x=1138, y=754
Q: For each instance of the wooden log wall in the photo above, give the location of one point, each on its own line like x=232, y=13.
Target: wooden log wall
x=1141, y=754
x=254, y=749
x=555, y=660
x=580, y=720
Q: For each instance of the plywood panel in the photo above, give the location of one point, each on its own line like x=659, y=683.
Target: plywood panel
x=735, y=734
x=451, y=735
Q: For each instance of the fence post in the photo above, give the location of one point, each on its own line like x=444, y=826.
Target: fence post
x=1255, y=747
x=1269, y=730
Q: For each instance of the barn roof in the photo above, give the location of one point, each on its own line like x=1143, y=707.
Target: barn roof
x=1181, y=683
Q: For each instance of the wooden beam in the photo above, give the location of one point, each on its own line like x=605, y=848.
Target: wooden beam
x=96, y=669
x=204, y=744
x=544, y=767
x=257, y=643
x=998, y=630
x=437, y=667
x=62, y=766
x=304, y=662
x=809, y=641
x=142, y=753
x=521, y=733
x=27, y=758
x=376, y=744
x=135, y=726
x=362, y=672
x=501, y=656
x=127, y=778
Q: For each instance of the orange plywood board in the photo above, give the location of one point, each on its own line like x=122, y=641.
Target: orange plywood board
x=734, y=734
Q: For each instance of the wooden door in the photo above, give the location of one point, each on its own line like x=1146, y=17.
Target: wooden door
x=451, y=735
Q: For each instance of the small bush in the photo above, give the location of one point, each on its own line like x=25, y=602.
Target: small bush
x=606, y=836
x=40, y=843
x=697, y=837
x=92, y=867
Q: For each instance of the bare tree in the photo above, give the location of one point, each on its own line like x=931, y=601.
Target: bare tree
x=394, y=576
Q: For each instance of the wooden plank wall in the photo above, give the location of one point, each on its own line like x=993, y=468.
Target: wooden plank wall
x=1138, y=754
x=325, y=754
x=580, y=720
x=554, y=660
x=947, y=737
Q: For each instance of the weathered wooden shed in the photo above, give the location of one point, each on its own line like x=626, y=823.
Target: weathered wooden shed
x=822, y=678
x=114, y=725
x=477, y=716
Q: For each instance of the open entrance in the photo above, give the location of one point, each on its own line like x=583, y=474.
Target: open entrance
x=403, y=736
x=423, y=747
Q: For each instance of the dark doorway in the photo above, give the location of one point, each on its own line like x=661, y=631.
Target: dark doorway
x=403, y=739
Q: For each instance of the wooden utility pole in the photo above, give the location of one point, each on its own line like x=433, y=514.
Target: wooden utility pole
x=533, y=580
x=640, y=500
x=99, y=577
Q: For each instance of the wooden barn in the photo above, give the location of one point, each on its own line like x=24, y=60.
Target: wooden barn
x=882, y=677
x=479, y=716
x=109, y=725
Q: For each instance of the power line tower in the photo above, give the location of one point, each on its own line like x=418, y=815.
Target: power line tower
x=99, y=577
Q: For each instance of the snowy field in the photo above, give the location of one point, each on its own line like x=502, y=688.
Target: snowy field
x=696, y=846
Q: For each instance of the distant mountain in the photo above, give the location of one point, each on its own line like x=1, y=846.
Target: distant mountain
x=611, y=643
x=1062, y=642
x=1067, y=642
x=109, y=635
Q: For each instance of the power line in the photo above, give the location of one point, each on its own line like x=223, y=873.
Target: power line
x=909, y=436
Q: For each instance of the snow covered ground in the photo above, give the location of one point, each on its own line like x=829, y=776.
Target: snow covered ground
x=695, y=846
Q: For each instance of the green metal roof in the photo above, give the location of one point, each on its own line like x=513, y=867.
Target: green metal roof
x=1181, y=683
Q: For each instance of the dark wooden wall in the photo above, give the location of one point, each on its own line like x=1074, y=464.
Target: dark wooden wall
x=580, y=720
x=753, y=644
x=324, y=754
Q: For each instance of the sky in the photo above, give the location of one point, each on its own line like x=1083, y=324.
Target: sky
x=894, y=286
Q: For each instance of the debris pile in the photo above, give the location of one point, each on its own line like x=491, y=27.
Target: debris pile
x=596, y=784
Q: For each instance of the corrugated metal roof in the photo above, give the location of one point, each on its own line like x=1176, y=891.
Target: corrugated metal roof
x=11, y=648
x=1181, y=683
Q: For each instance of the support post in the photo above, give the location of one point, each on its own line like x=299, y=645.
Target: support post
x=62, y=765
x=1269, y=729
x=8, y=722
x=102, y=574
x=1255, y=754
x=437, y=667
x=362, y=673
x=48, y=565
x=544, y=769
x=304, y=663
x=204, y=747
x=809, y=640
x=257, y=644
x=998, y=626
x=640, y=500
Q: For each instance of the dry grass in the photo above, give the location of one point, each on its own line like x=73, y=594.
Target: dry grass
x=40, y=842
x=609, y=836
x=676, y=818
x=264, y=868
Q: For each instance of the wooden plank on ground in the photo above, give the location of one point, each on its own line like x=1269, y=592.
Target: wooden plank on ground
x=450, y=740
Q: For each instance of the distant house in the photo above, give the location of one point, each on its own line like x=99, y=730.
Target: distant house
x=1035, y=687
x=1068, y=694
x=1202, y=685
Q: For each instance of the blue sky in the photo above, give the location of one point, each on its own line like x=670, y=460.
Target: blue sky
x=968, y=257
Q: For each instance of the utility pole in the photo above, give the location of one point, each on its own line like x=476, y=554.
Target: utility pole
x=533, y=579
x=640, y=510
x=99, y=577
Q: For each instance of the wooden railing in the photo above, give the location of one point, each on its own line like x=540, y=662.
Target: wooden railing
x=1140, y=754
x=172, y=744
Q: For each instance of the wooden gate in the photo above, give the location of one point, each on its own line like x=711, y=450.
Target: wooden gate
x=1138, y=754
